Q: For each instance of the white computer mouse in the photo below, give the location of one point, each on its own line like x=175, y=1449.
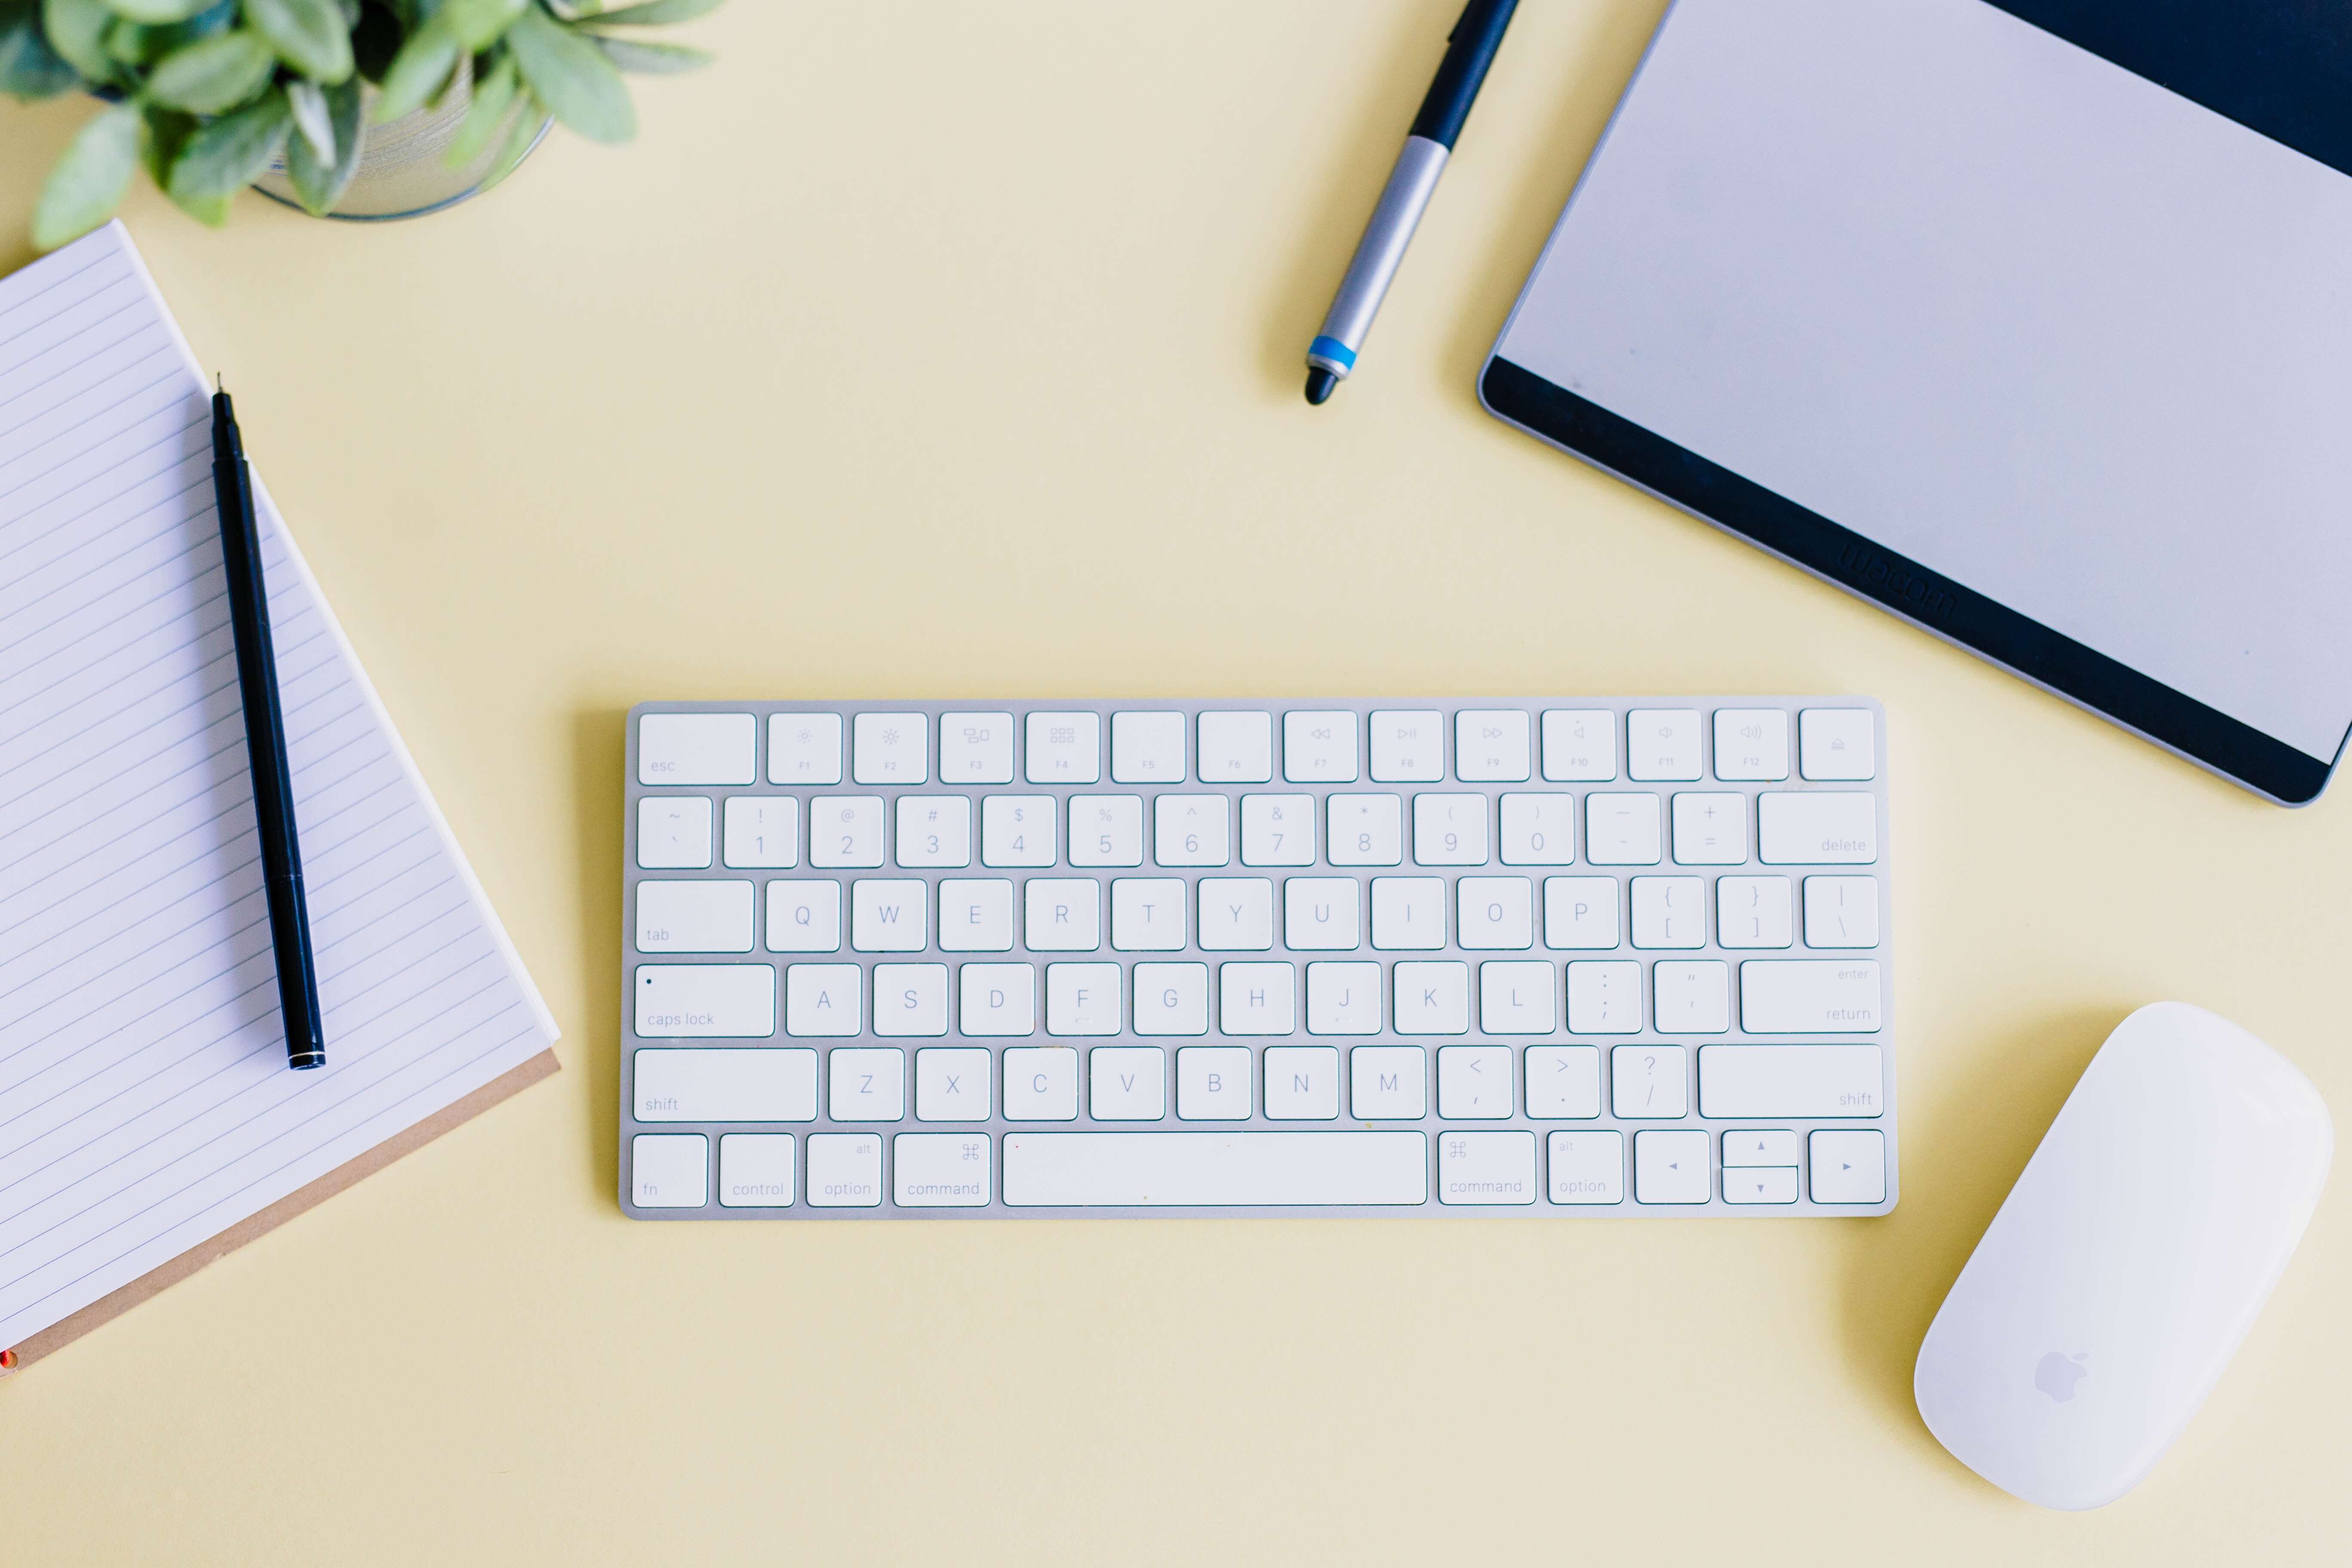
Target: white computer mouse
x=2127, y=1262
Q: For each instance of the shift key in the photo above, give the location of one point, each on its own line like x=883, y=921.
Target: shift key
x=1810, y=997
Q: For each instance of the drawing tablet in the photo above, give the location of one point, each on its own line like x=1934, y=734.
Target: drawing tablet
x=2029, y=322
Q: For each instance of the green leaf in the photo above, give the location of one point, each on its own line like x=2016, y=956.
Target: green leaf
x=320, y=184
x=227, y=154
x=77, y=29
x=89, y=181
x=651, y=59
x=216, y=75
x=571, y=75
x=494, y=94
x=168, y=131
x=29, y=69
x=478, y=24
x=530, y=115
x=309, y=34
x=312, y=123
x=653, y=13
x=155, y=13
x=418, y=71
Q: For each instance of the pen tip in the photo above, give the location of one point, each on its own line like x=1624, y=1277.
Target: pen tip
x=1319, y=382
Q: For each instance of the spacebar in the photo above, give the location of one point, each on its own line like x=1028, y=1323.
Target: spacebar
x=1213, y=1170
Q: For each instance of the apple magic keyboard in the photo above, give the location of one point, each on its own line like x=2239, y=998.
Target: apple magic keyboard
x=1568, y=956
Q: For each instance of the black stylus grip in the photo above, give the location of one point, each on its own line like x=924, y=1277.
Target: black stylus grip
x=1469, y=50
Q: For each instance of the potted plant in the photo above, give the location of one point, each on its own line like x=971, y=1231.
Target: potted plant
x=215, y=95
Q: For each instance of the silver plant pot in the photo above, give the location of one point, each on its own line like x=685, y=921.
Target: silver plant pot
x=403, y=168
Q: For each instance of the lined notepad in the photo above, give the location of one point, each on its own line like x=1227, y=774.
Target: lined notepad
x=145, y=1103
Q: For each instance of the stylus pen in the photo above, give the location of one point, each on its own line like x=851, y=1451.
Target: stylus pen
x=265, y=744
x=1469, y=50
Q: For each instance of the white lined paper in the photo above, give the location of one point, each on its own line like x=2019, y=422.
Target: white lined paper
x=145, y=1103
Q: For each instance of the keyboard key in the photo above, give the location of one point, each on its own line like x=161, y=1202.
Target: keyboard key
x=1751, y=911
x=1516, y=997
x=951, y=1083
x=1473, y=1083
x=1449, y=830
x=1580, y=912
x=1365, y=829
x=1849, y=1167
x=1604, y=997
x=1387, y=1083
x=996, y=999
x=694, y=917
x=697, y=749
x=1495, y=913
x=934, y=830
x=1041, y=1083
x=705, y=1001
x=673, y=832
x=1236, y=748
x=1751, y=743
x=845, y=830
x=822, y=999
x=1190, y=830
x=1790, y=1080
x=1669, y=912
x=1408, y=747
x=1302, y=1083
x=1841, y=911
x=1621, y=829
x=1064, y=748
x=1710, y=829
x=1213, y=1083
x=1586, y=1167
x=890, y=749
x=1579, y=745
x=1761, y=1184
x=1538, y=829
x=1106, y=830
x=1486, y=1168
x=1671, y=1167
x=1809, y=996
x=1490, y=746
x=1063, y=914
x=1257, y=999
x=1649, y=1083
x=1171, y=998
x=892, y=916
x=1663, y=743
x=1236, y=914
x=976, y=748
x=1691, y=997
x=736, y=1083
x=1408, y=913
x=755, y=1170
x=669, y=1169
x=1016, y=830
x=1563, y=1083
x=1215, y=1169
x=1127, y=1083
x=803, y=917
x=1320, y=748
x=1082, y=998
x=1278, y=830
x=1321, y=914
x=975, y=915
x=869, y=1083
x=762, y=831
x=845, y=1170
x=910, y=1000
x=1147, y=748
x=1147, y=914
x=1751, y=1146
x=1832, y=828
x=939, y=1170
x=1837, y=743
x=1343, y=998
x=805, y=748
x=1432, y=998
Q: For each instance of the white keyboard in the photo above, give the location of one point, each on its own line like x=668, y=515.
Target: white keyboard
x=1559, y=956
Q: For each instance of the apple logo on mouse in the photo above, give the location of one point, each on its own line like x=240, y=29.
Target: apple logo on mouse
x=2057, y=1374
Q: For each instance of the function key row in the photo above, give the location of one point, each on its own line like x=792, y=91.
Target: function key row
x=1318, y=746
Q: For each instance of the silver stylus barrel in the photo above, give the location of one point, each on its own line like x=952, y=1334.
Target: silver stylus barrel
x=1410, y=186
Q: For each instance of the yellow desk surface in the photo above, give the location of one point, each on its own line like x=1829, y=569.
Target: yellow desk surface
x=955, y=350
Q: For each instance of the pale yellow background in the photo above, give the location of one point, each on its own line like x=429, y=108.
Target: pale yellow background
x=946, y=351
